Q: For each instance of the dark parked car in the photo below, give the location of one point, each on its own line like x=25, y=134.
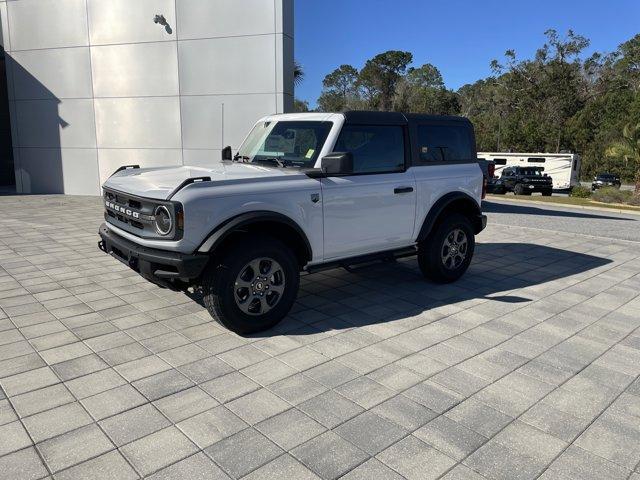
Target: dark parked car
x=522, y=181
x=605, y=180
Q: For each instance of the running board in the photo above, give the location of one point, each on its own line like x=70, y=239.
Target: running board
x=348, y=263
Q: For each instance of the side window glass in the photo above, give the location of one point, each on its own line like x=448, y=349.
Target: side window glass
x=375, y=149
x=444, y=143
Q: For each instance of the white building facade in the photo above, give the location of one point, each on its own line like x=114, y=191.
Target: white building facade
x=96, y=84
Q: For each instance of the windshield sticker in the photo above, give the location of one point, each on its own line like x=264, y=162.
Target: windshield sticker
x=310, y=153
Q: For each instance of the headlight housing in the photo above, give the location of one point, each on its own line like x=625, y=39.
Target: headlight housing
x=163, y=220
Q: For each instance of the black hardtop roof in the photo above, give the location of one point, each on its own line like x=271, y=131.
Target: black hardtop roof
x=524, y=167
x=362, y=117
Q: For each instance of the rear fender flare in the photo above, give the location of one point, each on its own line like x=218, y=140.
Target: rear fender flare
x=458, y=200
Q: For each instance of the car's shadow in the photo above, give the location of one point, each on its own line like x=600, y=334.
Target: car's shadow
x=386, y=292
x=493, y=207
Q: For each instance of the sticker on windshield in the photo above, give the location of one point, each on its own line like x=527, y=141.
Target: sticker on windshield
x=310, y=153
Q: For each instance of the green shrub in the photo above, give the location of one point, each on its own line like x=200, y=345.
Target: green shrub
x=635, y=200
x=580, y=192
x=612, y=195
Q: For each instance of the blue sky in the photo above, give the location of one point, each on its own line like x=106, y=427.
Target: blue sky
x=460, y=37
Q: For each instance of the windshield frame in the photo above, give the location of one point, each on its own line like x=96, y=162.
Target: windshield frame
x=254, y=143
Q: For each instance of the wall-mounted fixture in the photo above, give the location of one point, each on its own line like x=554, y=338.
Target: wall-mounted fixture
x=159, y=19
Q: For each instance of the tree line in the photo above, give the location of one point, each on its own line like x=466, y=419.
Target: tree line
x=557, y=101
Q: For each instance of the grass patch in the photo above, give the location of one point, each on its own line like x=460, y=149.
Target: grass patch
x=575, y=201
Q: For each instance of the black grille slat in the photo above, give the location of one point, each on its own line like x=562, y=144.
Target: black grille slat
x=143, y=209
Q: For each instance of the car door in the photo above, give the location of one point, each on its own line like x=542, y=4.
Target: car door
x=372, y=209
x=508, y=178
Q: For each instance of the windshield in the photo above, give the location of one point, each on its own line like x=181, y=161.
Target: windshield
x=606, y=177
x=286, y=143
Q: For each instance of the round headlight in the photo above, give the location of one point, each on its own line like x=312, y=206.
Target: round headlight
x=163, y=220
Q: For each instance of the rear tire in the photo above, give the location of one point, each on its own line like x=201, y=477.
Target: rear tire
x=546, y=194
x=252, y=286
x=446, y=254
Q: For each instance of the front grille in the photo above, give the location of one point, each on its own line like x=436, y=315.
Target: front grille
x=130, y=213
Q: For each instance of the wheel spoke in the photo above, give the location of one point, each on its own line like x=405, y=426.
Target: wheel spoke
x=240, y=283
x=255, y=266
x=276, y=288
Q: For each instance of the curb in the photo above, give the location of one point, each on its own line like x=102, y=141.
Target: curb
x=562, y=205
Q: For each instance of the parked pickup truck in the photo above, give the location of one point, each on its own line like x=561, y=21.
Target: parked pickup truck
x=603, y=180
x=304, y=192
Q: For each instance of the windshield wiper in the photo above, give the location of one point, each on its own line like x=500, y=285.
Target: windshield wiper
x=271, y=160
x=238, y=157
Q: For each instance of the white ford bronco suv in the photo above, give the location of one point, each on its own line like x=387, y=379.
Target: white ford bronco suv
x=304, y=192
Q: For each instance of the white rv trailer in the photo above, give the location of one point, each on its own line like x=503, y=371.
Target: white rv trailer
x=563, y=168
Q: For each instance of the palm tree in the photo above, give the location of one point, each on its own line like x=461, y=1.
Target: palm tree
x=629, y=149
x=298, y=73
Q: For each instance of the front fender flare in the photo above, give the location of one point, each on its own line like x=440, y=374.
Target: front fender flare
x=217, y=236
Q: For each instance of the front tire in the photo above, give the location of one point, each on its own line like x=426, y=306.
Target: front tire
x=446, y=254
x=253, y=285
x=518, y=190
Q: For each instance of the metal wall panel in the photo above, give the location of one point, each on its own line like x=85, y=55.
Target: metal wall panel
x=39, y=170
x=56, y=123
x=80, y=167
x=4, y=27
x=224, y=18
x=129, y=21
x=284, y=102
x=73, y=171
x=57, y=73
x=201, y=122
x=203, y=126
x=202, y=158
x=227, y=66
x=110, y=159
x=138, y=122
x=284, y=64
x=132, y=70
x=240, y=114
x=47, y=24
x=284, y=17
x=83, y=111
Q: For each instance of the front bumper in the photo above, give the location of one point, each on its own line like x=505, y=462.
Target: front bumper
x=480, y=223
x=168, y=269
x=536, y=188
x=596, y=186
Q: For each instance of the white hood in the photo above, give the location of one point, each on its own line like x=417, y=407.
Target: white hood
x=160, y=182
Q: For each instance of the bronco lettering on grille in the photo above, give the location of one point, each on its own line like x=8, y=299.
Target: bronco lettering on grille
x=122, y=210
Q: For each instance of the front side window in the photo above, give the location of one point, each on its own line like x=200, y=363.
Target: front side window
x=444, y=143
x=375, y=148
x=286, y=143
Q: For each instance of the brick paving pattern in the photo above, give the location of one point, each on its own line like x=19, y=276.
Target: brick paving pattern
x=526, y=368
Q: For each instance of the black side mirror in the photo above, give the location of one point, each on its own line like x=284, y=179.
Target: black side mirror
x=227, y=154
x=337, y=163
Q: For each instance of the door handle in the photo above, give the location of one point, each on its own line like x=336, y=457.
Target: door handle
x=402, y=190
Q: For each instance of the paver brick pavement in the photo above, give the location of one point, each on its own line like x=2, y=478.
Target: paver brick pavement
x=527, y=367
